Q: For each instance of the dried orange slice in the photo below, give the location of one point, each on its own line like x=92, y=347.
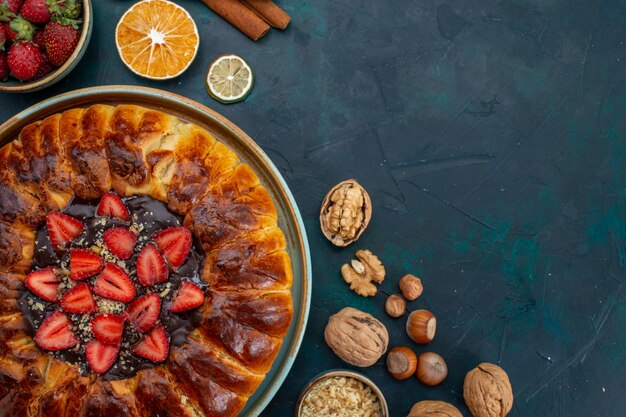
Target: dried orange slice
x=157, y=39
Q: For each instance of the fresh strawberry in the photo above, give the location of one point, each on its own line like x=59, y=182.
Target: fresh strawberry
x=144, y=312
x=111, y=205
x=24, y=60
x=175, y=242
x=55, y=333
x=108, y=328
x=120, y=241
x=9, y=34
x=9, y=8
x=44, y=283
x=3, y=37
x=20, y=29
x=45, y=68
x=189, y=296
x=151, y=267
x=38, y=39
x=84, y=264
x=154, y=346
x=60, y=41
x=62, y=228
x=4, y=66
x=79, y=300
x=100, y=356
x=113, y=283
x=36, y=11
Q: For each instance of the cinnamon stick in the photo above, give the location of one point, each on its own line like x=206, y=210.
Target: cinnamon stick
x=240, y=16
x=270, y=12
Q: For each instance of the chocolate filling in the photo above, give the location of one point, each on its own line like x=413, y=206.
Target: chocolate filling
x=147, y=216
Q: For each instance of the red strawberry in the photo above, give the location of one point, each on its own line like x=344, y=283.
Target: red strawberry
x=120, y=241
x=79, y=300
x=84, y=264
x=36, y=11
x=144, y=312
x=189, y=296
x=111, y=205
x=3, y=37
x=19, y=29
x=25, y=60
x=10, y=7
x=45, y=68
x=175, y=242
x=151, y=267
x=113, y=283
x=154, y=346
x=9, y=33
x=44, y=283
x=38, y=39
x=108, y=328
x=100, y=356
x=60, y=41
x=62, y=228
x=4, y=66
x=56, y=333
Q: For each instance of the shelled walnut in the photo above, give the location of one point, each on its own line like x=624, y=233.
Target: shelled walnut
x=487, y=391
x=356, y=337
x=434, y=409
x=360, y=273
x=346, y=211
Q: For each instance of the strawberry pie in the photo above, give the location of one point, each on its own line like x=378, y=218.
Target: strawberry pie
x=142, y=269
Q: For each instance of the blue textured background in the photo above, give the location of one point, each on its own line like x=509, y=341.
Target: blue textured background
x=491, y=137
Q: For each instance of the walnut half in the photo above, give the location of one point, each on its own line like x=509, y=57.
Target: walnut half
x=360, y=273
x=346, y=212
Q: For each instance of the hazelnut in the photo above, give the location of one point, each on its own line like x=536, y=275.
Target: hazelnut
x=401, y=362
x=395, y=305
x=431, y=368
x=411, y=287
x=421, y=326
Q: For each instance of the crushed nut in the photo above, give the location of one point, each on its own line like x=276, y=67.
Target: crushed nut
x=360, y=273
x=346, y=212
x=340, y=397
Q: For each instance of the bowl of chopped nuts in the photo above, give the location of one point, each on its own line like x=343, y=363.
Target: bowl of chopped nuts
x=341, y=393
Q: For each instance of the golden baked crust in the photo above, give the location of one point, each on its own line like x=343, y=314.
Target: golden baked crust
x=133, y=150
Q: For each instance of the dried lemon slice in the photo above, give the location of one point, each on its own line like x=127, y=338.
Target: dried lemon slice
x=157, y=39
x=229, y=79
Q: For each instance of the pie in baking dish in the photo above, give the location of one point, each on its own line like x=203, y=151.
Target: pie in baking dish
x=142, y=269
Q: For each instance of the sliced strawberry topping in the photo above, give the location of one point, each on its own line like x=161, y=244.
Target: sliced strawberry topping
x=113, y=283
x=111, y=205
x=100, y=356
x=108, y=328
x=151, y=267
x=154, y=346
x=144, y=312
x=175, y=242
x=63, y=229
x=84, y=264
x=79, y=300
x=56, y=333
x=44, y=283
x=120, y=241
x=189, y=296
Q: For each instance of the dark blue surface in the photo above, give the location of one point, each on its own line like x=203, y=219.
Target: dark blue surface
x=491, y=136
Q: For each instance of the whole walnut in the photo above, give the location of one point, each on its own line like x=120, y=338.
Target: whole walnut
x=356, y=337
x=434, y=409
x=346, y=211
x=487, y=391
